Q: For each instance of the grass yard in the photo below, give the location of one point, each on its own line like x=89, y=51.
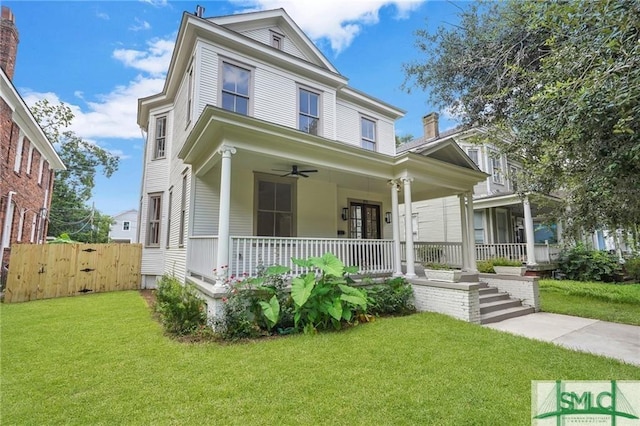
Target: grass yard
x=102, y=359
x=607, y=302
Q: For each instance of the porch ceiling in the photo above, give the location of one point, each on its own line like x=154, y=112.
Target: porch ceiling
x=262, y=147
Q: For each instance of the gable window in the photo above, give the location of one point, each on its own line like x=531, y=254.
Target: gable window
x=161, y=138
x=235, y=88
x=308, y=111
x=153, y=221
x=126, y=225
x=275, y=200
x=276, y=41
x=368, y=133
x=473, y=154
x=496, y=167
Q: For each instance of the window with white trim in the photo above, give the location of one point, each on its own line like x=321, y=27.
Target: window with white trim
x=126, y=225
x=183, y=210
x=473, y=154
x=18, y=161
x=368, y=133
x=169, y=214
x=159, y=150
x=308, y=111
x=190, y=94
x=153, y=222
x=34, y=221
x=275, y=201
x=478, y=227
x=30, y=159
x=495, y=160
x=276, y=40
x=21, y=225
x=513, y=178
x=40, y=170
x=236, y=82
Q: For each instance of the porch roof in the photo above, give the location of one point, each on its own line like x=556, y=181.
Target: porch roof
x=263, y=146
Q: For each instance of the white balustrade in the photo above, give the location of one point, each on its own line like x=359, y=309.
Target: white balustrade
x=202, y=251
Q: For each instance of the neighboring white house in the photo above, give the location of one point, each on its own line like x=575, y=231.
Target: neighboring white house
x=503, y=222
x=258, y=150
x=125, y=227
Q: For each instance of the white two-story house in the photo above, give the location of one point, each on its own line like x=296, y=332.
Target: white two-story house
x=505, y=224
x=124, y=228
x=258, y=150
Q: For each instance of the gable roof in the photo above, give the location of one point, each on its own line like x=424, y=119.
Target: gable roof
x=243, y=22
x=444, y=148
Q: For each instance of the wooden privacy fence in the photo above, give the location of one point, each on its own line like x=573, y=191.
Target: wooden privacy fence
x=45, y=271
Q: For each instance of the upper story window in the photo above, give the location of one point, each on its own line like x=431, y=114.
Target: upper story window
x=513, y=177
x=161, y=137
x=308, y=111
x=17, y=165
x=190, y=94
x=473, y=154
x=235, y=88
x=496, y=168
x=30, y=159
x=126, y=225
x=368, y=133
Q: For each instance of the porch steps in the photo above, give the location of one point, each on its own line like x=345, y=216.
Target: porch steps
x=497, y=306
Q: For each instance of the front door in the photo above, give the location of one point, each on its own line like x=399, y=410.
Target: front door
x=365, y=221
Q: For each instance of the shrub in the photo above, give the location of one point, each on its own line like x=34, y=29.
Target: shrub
x=632, y=266
x=438, y=266
x=393, y=297
x=485, y=267
x=328, y=299
x=503, y=261
x=237, y=321
x=181, y=310
x=582, y=264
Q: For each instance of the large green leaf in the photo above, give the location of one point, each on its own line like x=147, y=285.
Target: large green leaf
x=271, y=310
x=277, y=270
x=301, y=288
x=329, y=264
x=353, y=295
x=351, y=269
x=304, y=263
x=335, y=309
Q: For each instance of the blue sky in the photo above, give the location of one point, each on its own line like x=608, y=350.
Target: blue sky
x=100, y=57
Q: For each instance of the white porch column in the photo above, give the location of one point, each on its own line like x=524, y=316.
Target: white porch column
x=464, y=229
x=528, y=230
x=408, y=229
x=471, y=234
x=395, y=221
x=222, y=258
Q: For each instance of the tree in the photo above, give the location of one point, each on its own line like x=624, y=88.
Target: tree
x=73, y=187
x=403, y=139
x=556, y=84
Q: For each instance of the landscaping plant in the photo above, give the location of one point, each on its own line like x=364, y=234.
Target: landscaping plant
x=632, y=266
x=325, y=300
x=393, y=297
x=181, y=310
x=582, y=264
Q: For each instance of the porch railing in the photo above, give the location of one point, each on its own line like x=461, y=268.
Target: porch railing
x=451, y=253
x=249, y=254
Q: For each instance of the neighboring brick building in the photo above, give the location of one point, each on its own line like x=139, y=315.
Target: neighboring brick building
x=27, y=157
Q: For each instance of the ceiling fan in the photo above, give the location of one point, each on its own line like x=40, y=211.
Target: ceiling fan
x=294, y=172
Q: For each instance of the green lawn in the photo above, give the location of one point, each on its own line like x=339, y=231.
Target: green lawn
x=102, y=359
x=607, y=302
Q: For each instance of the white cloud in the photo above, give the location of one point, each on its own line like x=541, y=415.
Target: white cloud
x=156, y=3
x=339, y=21
x=103, y=15
x=112, y=115
x=140, y=25
x=154, y=60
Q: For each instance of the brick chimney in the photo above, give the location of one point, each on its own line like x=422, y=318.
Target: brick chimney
x=8, y=42
x=430, y=123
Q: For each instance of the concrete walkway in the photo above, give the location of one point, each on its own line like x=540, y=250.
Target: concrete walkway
x=620, y=341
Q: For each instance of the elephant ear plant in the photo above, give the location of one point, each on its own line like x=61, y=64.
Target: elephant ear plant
x=325, y=298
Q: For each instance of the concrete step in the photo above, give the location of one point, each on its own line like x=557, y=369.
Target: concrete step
x=487, y=290
x=505, y=314
x=493, y=297
x=498, y=305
